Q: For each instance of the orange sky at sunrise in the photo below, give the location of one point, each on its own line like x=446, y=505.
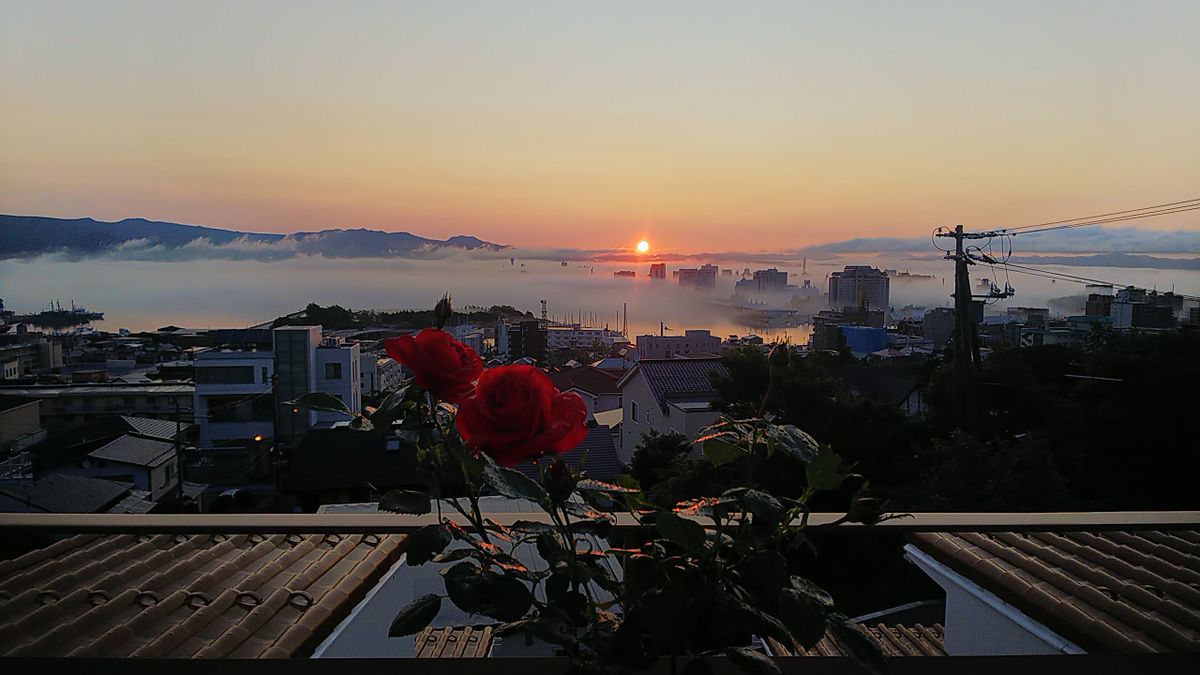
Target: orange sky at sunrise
x=696, y=126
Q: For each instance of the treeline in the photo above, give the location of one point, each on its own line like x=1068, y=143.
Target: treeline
x=1107, y=427
x=336, y=317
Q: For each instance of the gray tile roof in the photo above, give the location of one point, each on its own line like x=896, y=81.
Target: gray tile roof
x=683, y=379
x=596, y=454
x=146, y=426
x=59, y=493
x=135, y=450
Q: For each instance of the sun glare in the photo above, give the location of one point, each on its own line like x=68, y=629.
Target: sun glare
x=643, y=246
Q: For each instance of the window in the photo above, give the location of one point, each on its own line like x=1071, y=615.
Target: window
x=634, y=416
x=647, y=416
x=333, y=371
x=265, y=378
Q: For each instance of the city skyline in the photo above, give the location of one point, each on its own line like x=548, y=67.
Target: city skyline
x=694, y=127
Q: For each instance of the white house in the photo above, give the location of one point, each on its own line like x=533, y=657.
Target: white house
x=667, y=395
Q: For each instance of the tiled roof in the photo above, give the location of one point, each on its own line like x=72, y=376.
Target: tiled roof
x=596, y=453
x=146, y=426
x=59, y=493
x=915, y=640
x=134, y=450
x=453, y=642
x=678, y=378
x=244, y=596
x=1106, y=591
x=587, y=378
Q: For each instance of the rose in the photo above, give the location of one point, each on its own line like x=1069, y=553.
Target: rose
x=439, y=363
x=517, y=414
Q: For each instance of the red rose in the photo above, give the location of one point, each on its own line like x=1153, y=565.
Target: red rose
x=441, y=364
x=517, y=414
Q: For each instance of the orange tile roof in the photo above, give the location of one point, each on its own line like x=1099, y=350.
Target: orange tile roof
x=917, y=640
x=1105, y=591
x=454, y=642
x=243, y=596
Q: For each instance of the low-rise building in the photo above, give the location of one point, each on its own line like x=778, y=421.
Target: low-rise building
x=20, y=422
x=692, y=342
x=64, y=406
x=149, y=464
x=233, y=396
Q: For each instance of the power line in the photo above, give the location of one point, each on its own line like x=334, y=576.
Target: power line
x=1063, y=276
x=1117, y=219
x=1105, y=215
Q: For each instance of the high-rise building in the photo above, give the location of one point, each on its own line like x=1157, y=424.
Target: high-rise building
x=658, y=270
x=857, y=284
x=770, y=280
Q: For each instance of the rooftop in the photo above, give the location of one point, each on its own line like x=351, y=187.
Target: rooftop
x=1119, y=591
x=131, y=449
x=240, y=596
x=59, y=493
x=587, y=378
x=8, y=402
x=684, y=379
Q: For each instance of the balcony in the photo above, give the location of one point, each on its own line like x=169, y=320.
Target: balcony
x=248, y=586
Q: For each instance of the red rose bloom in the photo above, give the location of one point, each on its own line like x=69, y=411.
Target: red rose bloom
x=439, y=363
x=517, y=414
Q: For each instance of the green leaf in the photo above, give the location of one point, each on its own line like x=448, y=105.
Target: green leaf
x=512, y=484
x=455, y=554
x=505, y=598
x=762, y=506
x=721, y=452
x=804, y=615
x=464, y=585
x=683, y=531
x=405, y=501
x=321, y=402
x=793, y=441
x=824, y=472
x=360, y=423
x=391, y=408
x=752, y=661
x=857, y=643
x=531, y=526
x=416, y=616
x=591, y=485
x=425, y=543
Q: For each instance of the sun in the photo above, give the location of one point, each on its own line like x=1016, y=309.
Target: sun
x=643, y=246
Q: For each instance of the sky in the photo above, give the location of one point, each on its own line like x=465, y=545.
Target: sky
x=699, y=126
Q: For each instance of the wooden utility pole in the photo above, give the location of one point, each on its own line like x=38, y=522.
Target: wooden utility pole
x=966, y=337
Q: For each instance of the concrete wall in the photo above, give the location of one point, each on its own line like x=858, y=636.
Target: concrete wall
x=980, y=624
x=19, y=421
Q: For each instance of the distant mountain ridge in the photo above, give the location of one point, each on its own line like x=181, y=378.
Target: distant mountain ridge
x=24, y=236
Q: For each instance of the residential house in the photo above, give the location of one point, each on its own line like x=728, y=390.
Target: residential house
x=597, y=387
x=667, y=395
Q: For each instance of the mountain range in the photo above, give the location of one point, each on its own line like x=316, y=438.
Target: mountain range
x=24, y=236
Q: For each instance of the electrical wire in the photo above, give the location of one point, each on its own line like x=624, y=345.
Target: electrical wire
x=1115, y=219
x=1106, y=215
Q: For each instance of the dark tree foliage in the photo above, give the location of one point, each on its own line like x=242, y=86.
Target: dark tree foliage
x=336, y=317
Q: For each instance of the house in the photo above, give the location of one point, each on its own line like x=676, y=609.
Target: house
x=73, y=444
x=597, y=388
x=667, y=395
x=1065, y=592
x=61, y=493
x=149, y=464
x=893, y=387
x=596, y=455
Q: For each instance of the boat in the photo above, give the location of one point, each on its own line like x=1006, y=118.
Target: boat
x=58, y=317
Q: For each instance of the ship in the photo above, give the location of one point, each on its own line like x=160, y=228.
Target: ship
x=59, y=317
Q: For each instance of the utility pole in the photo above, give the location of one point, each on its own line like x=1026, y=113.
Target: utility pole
x=966, y=337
